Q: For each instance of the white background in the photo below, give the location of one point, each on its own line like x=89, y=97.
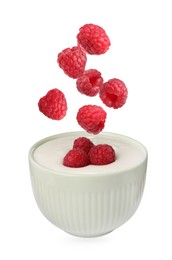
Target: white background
x=32, y=33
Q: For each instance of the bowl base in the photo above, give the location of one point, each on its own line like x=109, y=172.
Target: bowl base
x=89, y=236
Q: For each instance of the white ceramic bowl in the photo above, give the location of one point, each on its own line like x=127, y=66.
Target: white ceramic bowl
x=93, y=200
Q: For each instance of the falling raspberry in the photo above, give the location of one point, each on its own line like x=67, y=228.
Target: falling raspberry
x=114, y=93
x=76, y=158
x=93, y=39
x=72, y=61
x=83, y=143
x=53, y=104
x=90, y=82
x=102, y=154
x=91, y=118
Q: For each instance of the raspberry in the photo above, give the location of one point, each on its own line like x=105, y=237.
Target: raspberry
x=114, y=93
x=72, y=61
x=53, y=104
x=102, y=154
x=93, y=39
x=91, y=118
x=89, y=82
x=83, y=143
x=76, y=158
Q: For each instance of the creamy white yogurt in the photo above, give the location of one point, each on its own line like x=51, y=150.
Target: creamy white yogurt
x=50, y=152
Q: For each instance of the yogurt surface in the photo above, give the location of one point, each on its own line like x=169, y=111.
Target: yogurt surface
x=50, y=152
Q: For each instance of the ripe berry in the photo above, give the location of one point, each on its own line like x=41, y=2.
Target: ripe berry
x=83, y=143
x=102, y=154
x=91, y=118
x=53, y=104
x=72, y=61
x=93, y=39
x=76, y=158
x=90, y=82
x=114, y=93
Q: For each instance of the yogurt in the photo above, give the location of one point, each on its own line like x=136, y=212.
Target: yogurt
x=50, y=152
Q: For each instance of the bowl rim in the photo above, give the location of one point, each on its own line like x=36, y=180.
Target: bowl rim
x=84, y=133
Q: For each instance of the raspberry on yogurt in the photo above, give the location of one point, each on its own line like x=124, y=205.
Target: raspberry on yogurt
x=76, y=158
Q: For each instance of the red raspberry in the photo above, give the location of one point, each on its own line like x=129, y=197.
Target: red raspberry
x=53, y=104
x=76, y=158
x=72, y=61
x=102, y=154
x=93, y=39
x=91, y=118
x=83, y=143
x=114, y=93
x=90, y=82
